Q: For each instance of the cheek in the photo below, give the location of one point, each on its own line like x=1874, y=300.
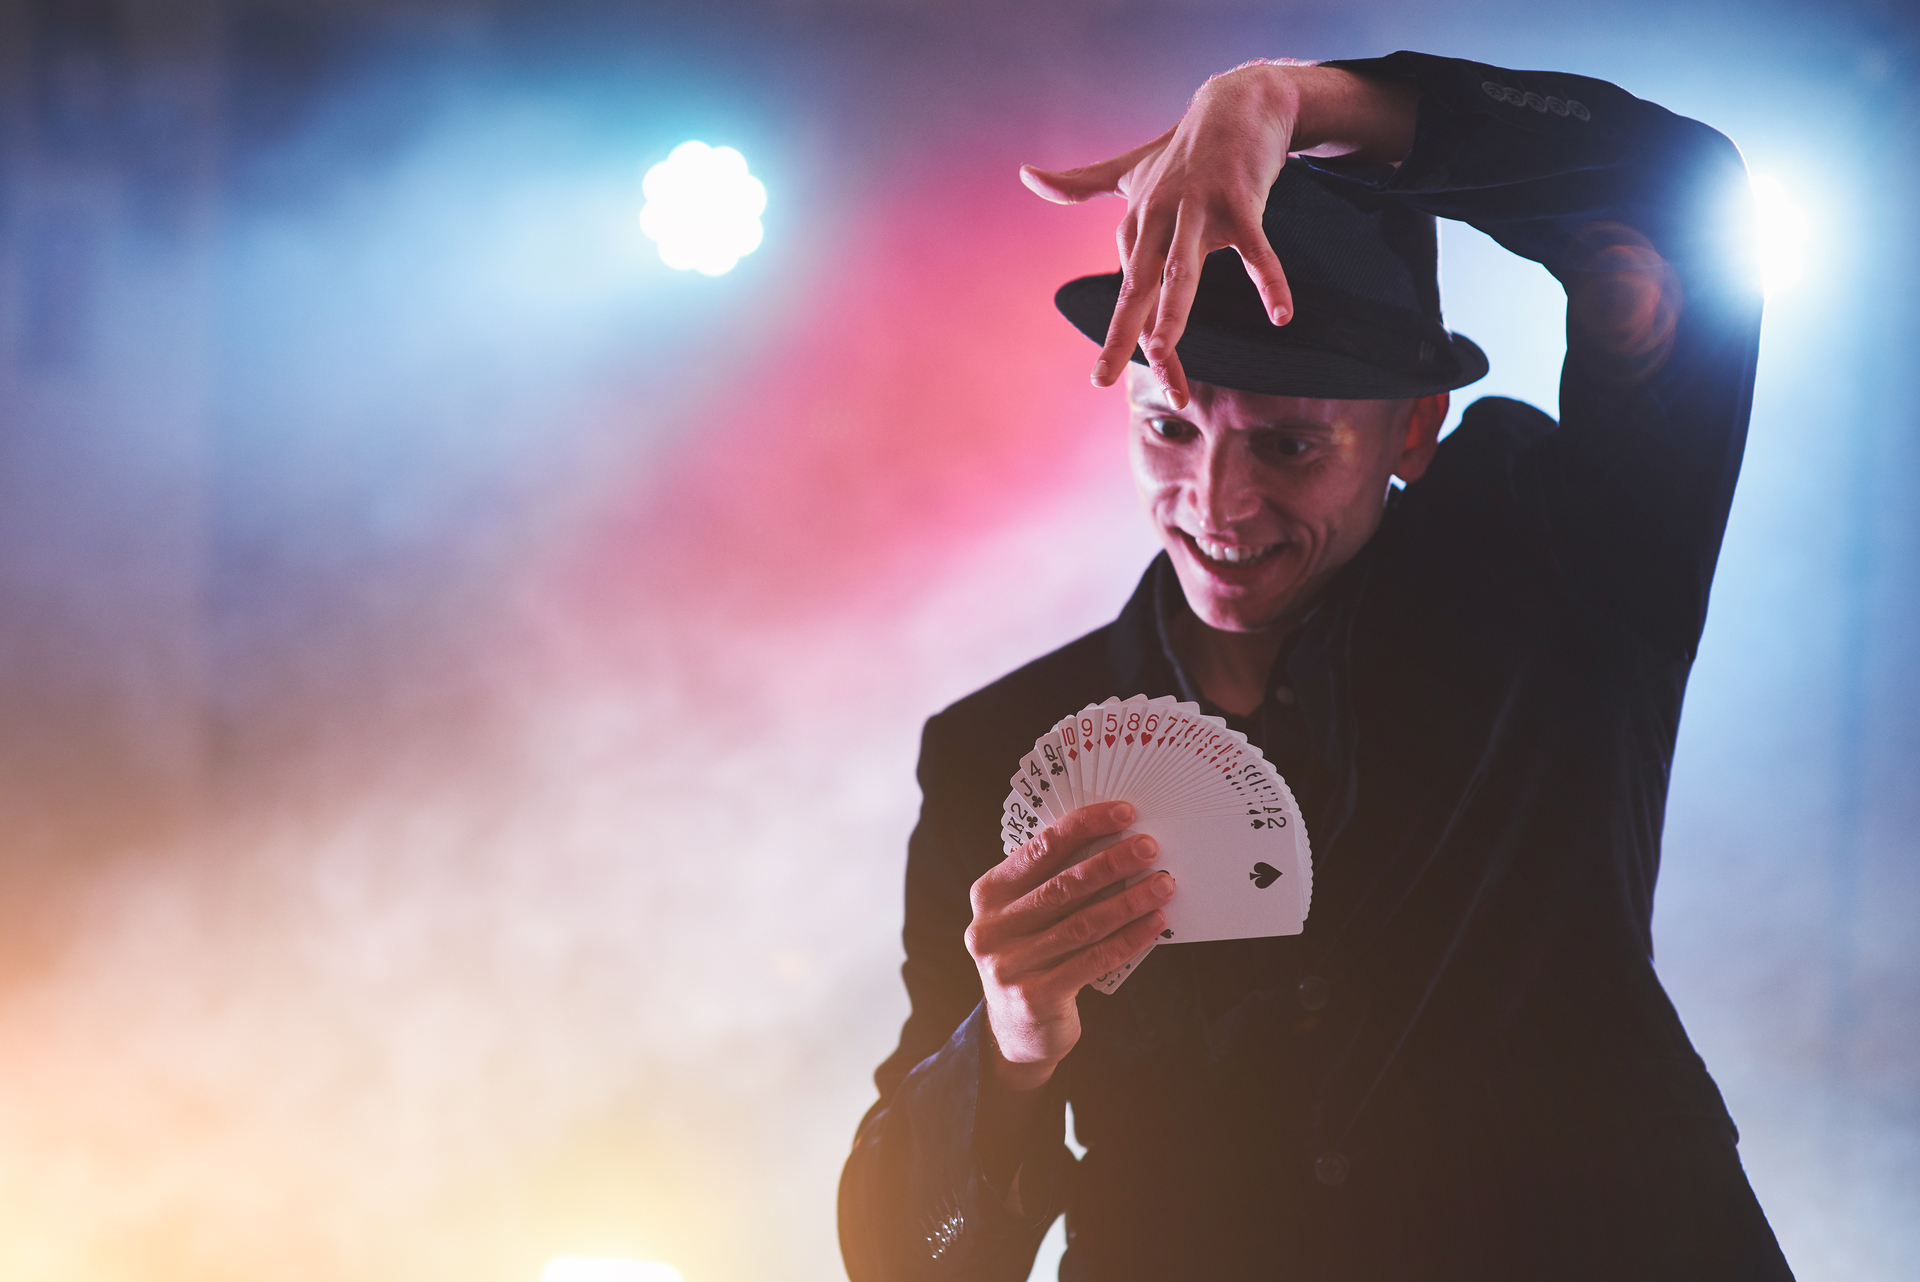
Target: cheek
x=1155, y=480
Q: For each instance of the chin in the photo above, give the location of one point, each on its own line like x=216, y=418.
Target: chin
x=1237, y=618
x=1251, y=607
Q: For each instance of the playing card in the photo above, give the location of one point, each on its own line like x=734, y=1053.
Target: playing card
x=1106, y=740
x=1229, y=829
x=1238, y=878
x=1053, y=758
x=1071, y=743
x=1117, y=976
x=1033, y=784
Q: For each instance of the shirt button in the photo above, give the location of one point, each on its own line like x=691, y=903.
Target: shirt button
x=1284, y=696
x=1314, y=993
x=1331, y=1168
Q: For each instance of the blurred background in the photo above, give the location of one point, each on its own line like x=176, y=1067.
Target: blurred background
x=460, y=677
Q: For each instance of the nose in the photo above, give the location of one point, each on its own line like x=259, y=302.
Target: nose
x=1224, y=493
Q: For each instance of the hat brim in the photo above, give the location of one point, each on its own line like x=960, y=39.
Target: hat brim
x=1272, y=364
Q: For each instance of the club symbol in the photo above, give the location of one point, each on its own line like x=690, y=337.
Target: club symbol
x=1263, y=875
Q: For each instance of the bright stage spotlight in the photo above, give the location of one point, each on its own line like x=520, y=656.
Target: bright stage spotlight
x=1781, y=233
x=600, y=1268
x=703, y=208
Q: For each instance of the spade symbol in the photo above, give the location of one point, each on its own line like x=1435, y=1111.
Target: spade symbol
x=1263, y=875
x=1166, y=934
x=1258, y=824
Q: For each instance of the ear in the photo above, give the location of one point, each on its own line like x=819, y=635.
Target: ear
x=1423, y=437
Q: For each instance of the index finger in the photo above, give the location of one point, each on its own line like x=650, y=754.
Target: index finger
x=1055, y=847
x=1142, y=234
x=1178, y=282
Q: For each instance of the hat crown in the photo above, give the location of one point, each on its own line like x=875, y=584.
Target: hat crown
x=1337, y=235
x=1364, y=273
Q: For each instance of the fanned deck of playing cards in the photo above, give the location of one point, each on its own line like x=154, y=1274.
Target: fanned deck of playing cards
x=1229, y=829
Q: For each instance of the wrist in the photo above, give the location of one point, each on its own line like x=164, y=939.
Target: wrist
x=1264, y=93
x=1339, y=113
x=1010, y=1077
x=1015, y=1079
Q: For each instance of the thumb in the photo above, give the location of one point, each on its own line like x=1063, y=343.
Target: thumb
x=1071, y=186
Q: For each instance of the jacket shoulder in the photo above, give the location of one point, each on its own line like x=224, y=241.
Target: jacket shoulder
x=979, y=740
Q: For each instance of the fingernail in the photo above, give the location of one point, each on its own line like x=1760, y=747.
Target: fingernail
x=1177, y=398
x=1163, y=885
x=1148, y=847
x=1122, y=813
x=1280, y=315
x=1100, y=374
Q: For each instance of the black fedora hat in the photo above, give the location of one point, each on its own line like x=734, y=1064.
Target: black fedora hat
x=1365, y=275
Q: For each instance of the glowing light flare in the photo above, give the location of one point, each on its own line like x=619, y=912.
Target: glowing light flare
x=703, y=208
x=600, y=1268
x=1782, y=232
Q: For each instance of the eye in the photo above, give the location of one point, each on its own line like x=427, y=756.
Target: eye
x=1281, y=448
x=1171, y=429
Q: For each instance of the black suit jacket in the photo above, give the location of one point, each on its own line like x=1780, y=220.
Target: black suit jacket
x=1465, y=1066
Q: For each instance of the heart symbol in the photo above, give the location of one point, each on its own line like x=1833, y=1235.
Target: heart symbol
x=1146, y=738
x=1263, y=875
x=1109, y=741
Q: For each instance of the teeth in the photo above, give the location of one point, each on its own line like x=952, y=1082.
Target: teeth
x=1232, y=555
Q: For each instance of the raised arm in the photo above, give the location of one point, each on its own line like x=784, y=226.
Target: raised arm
x=1641, y=214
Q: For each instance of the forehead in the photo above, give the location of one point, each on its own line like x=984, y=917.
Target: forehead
x=1230, y=408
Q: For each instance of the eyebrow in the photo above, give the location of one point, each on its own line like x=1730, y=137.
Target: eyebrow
x=1315, y=426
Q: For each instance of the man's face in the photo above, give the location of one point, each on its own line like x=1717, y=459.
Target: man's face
x=1260, y=499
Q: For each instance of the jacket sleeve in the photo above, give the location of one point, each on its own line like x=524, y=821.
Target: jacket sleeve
x=1645, y=218
x=913, y=1200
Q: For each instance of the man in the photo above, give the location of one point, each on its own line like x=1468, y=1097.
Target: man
x=1464, y=1067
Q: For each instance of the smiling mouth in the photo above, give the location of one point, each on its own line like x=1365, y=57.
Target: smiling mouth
x=1223, y=554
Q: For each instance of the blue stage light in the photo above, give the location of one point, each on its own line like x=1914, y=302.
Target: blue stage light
x=1782, y=231
x=703, y=208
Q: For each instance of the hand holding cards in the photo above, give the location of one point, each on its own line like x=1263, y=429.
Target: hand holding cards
x=1229, y=830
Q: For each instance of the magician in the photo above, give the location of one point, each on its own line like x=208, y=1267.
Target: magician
x=1464, y=1067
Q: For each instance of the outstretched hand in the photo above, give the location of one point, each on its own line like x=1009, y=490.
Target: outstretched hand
x=1203, y=184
